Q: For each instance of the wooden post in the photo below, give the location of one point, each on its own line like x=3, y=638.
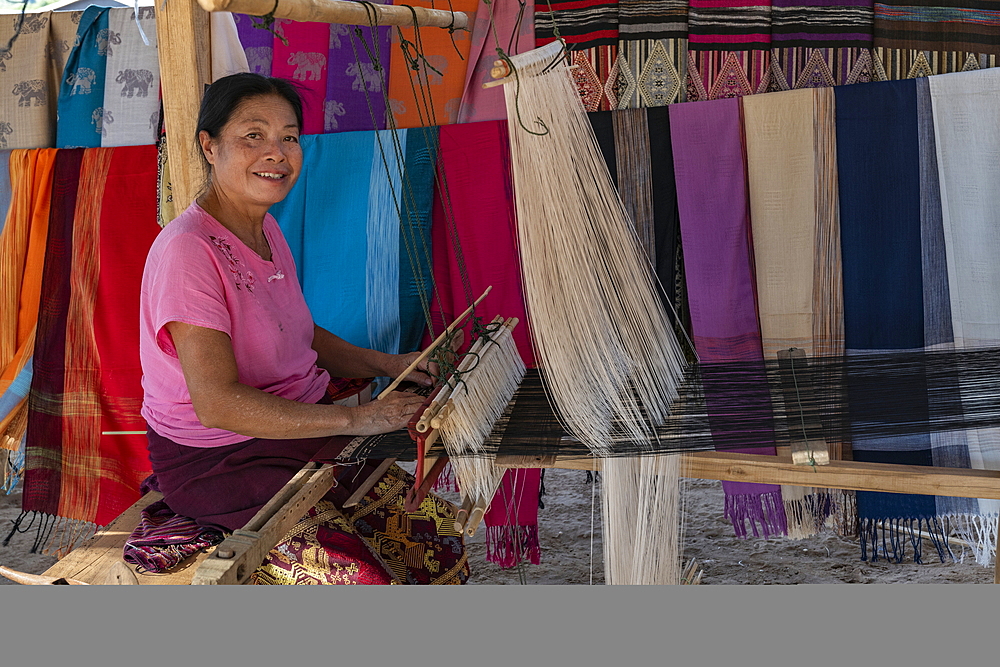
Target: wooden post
x=182, y=37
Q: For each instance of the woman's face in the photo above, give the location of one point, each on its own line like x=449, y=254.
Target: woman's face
x=256, y=158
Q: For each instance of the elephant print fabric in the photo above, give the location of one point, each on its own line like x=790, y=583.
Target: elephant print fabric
x=81, y=90
x=303, y=60
x=27, y=115
x=133, y=81
x=440, y=74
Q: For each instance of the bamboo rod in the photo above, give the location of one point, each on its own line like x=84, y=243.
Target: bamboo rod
x=340, y=11
x=433, y=346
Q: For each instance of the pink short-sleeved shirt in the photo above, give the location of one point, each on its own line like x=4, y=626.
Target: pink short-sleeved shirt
x=200, y=273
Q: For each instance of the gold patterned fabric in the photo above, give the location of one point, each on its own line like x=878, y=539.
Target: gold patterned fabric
x=374, y=542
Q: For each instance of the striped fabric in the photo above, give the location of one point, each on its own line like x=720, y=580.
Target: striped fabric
x=821, y=23
x=86, y=365
x=971, y=26
x=583, y=24
x=734, y=25
x=652, y=19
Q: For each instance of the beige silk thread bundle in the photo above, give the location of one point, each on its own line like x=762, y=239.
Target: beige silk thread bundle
x=612, y=363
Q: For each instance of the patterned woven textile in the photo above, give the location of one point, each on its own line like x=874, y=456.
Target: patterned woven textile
x=715, y=230
x=300, y=55
x=735, y=25
x=374, y=542
x=426, y=89
x=474, y=237
x=86, y=369
x=361, y=235
x=582, y=23
x=163, y=539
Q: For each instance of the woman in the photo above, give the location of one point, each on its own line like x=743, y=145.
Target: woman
x=236, y=374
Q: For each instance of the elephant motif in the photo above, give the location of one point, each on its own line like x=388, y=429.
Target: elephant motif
x=75, y=17
x=32, y=89
x=154, y=120
x=105, y=39
x=34, y=23
x=331, y=110
x=365, y=77
x=147, y=13
x=259, y=59
x=81, y=80
x=100, y=119
x=4, y=55
x=428, y=76
x=53, y=49
x=397, y=107
x=5, y=129
x=336, y=31
x=136, y=81
x=307, y=65
x=451, y=108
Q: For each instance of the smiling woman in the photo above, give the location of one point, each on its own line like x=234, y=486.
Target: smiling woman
x=237, y=376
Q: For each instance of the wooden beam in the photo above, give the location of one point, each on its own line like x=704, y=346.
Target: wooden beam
x=849, y=475
x=340, y=11
x=241, y=553
x=182, y=38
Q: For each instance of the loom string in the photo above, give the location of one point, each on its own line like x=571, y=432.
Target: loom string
x=802, y=414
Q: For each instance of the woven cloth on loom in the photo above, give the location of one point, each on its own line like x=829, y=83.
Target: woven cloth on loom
x=967, y=140
x=792, y=170
x=132, y=85
x=86, y=366
x=938, y=25
x=712, y=199
x=27, y=190
x=895, y=296
x=475, y=246
x=362, y=268
x=432, y=93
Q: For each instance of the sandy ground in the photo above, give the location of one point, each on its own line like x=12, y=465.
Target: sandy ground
x=571, y=551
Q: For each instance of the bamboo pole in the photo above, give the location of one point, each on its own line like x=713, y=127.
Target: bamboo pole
x=340, y=11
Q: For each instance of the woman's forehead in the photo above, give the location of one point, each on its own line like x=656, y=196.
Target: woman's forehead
x=265, y=109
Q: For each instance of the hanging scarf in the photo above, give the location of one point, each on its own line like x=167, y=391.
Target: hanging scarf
x=81, y=93
x=132, y=86
x=357, y=78
x=475, y=246
x=86, y=383
x=966, y=139
x=30, y=87
x=791, y=164
x=258, y=44
x=432, y=93
x=26, y=185
x=362, y=262
x=712, y=198
x=300, y=55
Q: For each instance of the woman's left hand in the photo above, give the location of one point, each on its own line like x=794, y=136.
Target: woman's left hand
x=423, y=374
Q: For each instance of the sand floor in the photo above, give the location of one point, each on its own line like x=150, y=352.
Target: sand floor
x=571, y=551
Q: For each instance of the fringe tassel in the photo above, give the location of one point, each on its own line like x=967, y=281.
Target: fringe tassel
x=806, y=517
x=887, y=538
x=981, y=534
x=845, y=518
x=765, y=510
x=446, y=481
x=54, y=536
x=507, y=546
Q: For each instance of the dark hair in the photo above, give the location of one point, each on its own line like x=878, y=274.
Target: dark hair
x=225, y=95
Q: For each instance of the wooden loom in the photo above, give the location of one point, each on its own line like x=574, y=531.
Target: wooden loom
x=184, y=56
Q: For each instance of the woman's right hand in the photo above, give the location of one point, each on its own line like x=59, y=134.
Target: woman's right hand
x=384, y=416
